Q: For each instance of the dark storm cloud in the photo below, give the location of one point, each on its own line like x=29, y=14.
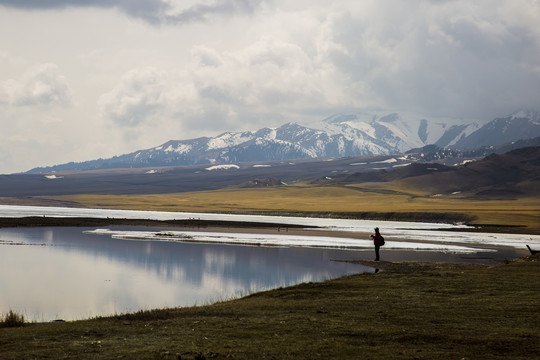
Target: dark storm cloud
x=446, y=63
x=152, y=11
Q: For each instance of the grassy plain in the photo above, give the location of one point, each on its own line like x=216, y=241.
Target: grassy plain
x=407, y=311
x=384, y=201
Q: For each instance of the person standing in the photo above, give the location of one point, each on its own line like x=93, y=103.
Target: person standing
x=378, y=241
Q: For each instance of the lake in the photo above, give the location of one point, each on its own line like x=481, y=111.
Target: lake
x=62, y=273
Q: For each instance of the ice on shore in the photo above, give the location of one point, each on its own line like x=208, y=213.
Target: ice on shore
x=223, y=167
x=276, y=240
x=393, y=231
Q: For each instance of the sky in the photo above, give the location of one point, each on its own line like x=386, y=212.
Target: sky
x=84, y=79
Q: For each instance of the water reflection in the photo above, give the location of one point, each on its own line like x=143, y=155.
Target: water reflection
x=74, y=275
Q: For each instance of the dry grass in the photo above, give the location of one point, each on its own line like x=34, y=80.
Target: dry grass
x=385, y=198
x=12, y=319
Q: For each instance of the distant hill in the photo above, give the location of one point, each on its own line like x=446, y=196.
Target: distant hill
x=360, y=134
x=170, y=179
x=501, y=175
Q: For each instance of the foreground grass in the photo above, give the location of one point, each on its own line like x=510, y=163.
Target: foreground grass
x=370, y=198
x=12, y=319
x=407, y=311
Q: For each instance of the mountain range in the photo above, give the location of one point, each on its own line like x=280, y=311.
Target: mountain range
x=343, y=135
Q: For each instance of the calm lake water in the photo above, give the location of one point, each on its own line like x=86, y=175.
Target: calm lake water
x=50, y=273
x=61, y=273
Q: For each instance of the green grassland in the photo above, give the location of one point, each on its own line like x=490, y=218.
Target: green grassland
x=376, y=200
x=406, y=311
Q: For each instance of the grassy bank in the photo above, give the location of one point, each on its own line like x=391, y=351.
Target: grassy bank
x=406, y=311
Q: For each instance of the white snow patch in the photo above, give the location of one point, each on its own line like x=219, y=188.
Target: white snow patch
x=228, y=140
x=466, y=162
x=356, y=164
x=401, y=165
x=180, y=148
x=261, y=166
x=158, y=148
x=53, y=177
x=277, y=240
x=223, y=167
x=520, y=114
x=387, y=161
x=151, y=172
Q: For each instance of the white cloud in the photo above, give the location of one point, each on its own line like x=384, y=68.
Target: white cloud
x=136, y=99
x=233, y=87
x=41, y=85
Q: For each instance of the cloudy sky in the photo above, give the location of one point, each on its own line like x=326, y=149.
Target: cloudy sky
x=83, y=79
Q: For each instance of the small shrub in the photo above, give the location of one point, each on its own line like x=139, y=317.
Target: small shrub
x=12, y=319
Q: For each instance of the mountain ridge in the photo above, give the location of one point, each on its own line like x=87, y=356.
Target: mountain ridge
x=340, y=135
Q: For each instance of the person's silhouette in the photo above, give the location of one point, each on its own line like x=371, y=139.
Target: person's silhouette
x=378, y=241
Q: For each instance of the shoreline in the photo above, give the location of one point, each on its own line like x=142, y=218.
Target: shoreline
x=447, y=218
x=263, y=228
x=424, y=310
x=31, y=221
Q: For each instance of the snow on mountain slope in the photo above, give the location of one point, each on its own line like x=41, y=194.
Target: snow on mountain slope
x=357, y=134
x=517, y=126
x=403, y=131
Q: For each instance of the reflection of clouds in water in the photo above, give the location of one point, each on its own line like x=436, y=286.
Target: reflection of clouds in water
x=80, y=275
x=214, y=258
x=48, y=236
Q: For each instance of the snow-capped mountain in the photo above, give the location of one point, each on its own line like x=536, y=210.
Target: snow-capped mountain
x=399, y=132
x=336, y=136
x=518, y=126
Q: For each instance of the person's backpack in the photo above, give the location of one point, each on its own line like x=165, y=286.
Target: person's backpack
x=381, y=240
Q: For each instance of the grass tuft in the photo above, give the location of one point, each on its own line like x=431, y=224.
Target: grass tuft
x=12, y=319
